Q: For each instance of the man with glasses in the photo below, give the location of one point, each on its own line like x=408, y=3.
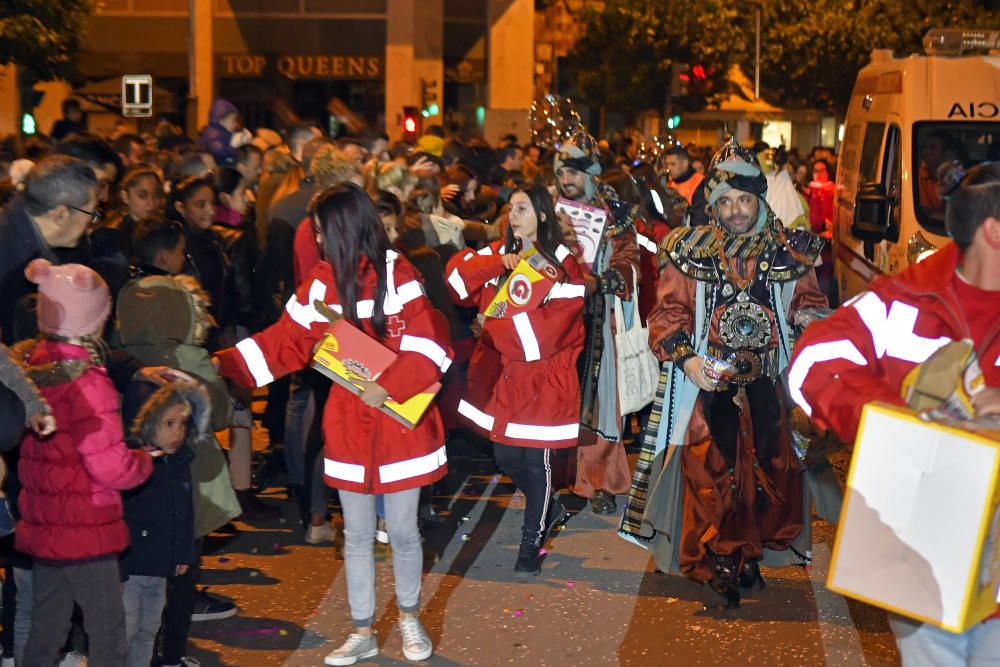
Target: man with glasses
x=59, y=203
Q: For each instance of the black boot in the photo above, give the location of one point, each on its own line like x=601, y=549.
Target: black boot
x=725, y=582
x=751, y=575
x=528, y=563
x=556, y=515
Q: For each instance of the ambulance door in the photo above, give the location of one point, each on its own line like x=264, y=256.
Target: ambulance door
x=862, y=207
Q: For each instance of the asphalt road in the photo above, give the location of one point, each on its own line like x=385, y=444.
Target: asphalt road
x=598, y=600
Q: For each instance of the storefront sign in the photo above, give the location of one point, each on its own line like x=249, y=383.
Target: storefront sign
x=301, y=66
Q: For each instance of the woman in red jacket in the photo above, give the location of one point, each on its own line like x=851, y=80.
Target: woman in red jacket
x=524, y=388
x=366, y=452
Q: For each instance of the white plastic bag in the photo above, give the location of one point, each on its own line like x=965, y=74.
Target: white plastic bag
x=638, y=367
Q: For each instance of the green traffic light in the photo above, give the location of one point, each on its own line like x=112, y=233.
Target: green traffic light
x=673, y=122
x=28, y=125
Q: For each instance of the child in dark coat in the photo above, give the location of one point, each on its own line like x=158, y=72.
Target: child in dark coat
x=160, y=513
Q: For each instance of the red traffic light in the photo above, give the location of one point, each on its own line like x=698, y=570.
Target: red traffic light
x=698, y=71
x=410, y=125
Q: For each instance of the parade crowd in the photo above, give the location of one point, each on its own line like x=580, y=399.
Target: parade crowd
x=150, y=284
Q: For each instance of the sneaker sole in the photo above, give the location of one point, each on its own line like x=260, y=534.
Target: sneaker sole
x=321, y=540
x=216, y=616
x=350, y=659
x=422, y=655
x=525, y=575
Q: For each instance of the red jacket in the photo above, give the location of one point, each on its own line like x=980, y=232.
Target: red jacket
x=365, y=450
x=865, y=349
x=70, y=504
x=306, y=251
x=524, y=386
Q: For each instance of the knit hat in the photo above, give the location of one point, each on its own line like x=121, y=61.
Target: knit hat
x=72, y=299
x=431, y=144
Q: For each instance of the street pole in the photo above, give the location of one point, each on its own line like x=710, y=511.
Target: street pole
x=756, y=73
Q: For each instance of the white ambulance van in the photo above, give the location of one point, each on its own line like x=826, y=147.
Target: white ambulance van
x=914, y=126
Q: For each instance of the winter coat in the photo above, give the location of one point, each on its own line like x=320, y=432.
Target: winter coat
x=157, y=324
x=160, y=518
x=70, y=504
x=214, y=500
x=524, y=386
x=216, y=139
x=366, y=451
x=865, y=350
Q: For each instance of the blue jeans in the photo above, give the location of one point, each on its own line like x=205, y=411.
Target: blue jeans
x=298, y=417
x=922, y=645
x=144, y=599
x=359, y=561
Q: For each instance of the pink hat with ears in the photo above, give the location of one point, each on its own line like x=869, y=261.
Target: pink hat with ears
x=73, y=300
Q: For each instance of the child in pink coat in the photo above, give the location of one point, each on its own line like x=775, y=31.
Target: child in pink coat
x=71, y=509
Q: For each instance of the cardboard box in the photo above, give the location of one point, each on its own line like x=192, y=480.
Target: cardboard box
x=525, y=288
x=589, y=223
x=918, y=532
x=349, y=356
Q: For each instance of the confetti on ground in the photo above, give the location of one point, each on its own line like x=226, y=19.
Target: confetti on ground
x=506, y=611
x=283, y=633
x=465, y=518
x=543, y=551
x=518, y=613
x=255, y=573
x=465, y=537
x=254, y=550
x=223, y=559
x=570, y=584
x=530, y=596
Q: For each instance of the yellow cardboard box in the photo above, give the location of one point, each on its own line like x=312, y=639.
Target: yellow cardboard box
x=919, y=533
x=348, y=357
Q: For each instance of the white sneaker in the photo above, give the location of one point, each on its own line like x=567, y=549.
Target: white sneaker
x=416, y=643
x=320, y=534
x=73, y=659
x=357, y=647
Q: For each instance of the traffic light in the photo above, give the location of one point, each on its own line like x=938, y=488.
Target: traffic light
x=28, y=125
x=673, y=122
x=411, y=123
x=680, y=79
x=428, y=98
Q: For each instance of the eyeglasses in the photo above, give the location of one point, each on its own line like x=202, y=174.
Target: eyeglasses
x=95, y=215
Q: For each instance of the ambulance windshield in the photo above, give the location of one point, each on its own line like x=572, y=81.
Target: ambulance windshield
x=943, y=152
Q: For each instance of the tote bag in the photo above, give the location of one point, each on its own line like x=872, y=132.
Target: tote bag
x=638, y=367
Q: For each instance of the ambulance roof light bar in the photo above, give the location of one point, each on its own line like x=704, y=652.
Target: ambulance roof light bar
x=956, y=41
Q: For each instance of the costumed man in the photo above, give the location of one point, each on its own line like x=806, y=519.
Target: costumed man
x=718, y=482
x=602, y=469
x=876, y=345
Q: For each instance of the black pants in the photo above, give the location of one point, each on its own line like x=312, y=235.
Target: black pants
x=180, y=605
x=531, y=470
x=96, y=587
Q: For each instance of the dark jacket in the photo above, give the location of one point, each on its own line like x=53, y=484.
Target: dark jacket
x=278, y=267
x=112, y=241
x=215, y=138
x=20, y=242
x=222, y=260
x=160, y=518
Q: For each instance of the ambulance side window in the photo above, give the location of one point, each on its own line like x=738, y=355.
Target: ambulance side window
x=871, y=151
x=892, y=164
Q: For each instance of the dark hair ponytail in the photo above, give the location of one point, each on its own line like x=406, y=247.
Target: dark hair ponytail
x=549, y=236
x=351, y=229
